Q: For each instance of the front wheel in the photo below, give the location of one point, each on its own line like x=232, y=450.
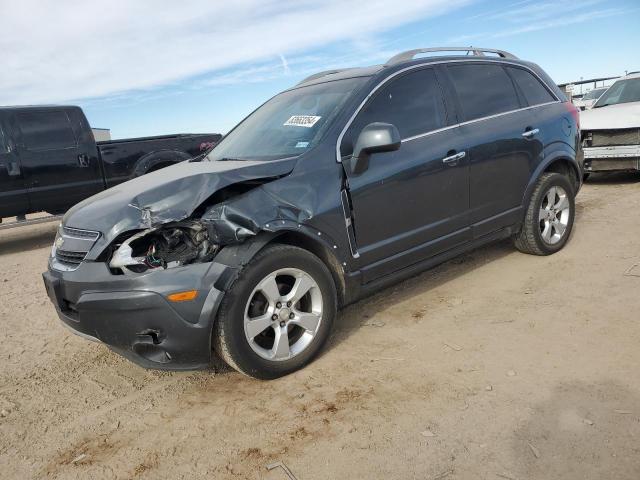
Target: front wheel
x=549, y=216
x=278, y=314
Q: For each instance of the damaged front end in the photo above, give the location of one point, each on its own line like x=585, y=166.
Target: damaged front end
x=168, y=246
x=231, y=216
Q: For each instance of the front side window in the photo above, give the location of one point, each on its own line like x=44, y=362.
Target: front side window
x=623, y=91
x=535, y=93
x=483, y=90
x=412, y=102
x=46, y=130
x=288, y=124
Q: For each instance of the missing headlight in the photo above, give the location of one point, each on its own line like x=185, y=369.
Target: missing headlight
x=169, y=246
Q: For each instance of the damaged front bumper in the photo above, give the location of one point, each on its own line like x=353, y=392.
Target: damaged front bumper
x=131, y=314
x=611, y=158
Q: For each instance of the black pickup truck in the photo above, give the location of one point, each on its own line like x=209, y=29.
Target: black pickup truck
x=49, y=160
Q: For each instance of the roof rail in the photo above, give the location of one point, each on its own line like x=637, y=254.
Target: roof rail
x=321, y=74
x=475, y=51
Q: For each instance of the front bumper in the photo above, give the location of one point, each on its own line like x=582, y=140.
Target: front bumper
x=620, y=157
x=132, y=315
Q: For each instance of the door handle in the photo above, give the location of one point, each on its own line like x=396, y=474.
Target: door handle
x=530, y=133
x=83, y=160
x=13, y=169
x=451, y=160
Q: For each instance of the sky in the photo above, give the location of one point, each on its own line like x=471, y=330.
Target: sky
x=152, y=67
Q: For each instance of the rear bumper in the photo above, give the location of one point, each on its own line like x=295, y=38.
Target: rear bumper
x=132, y=316
x=622, y=157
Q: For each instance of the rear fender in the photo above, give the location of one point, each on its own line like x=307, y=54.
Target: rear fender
x=555, y=153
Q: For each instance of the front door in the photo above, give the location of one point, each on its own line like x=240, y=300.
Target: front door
x=13, y=194
x=411, y=203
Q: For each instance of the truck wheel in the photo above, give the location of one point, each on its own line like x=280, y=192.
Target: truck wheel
x=277, y=315
x=549, y=216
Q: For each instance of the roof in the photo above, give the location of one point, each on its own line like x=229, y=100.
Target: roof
x=339, y=74
x=43, y=107
x=409, y=57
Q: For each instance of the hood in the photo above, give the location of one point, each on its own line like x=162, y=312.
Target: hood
x=622, y=115
x=167, y=195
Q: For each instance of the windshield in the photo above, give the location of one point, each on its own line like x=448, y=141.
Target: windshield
x=623, y=91
x=288, y=124
x=593, y=94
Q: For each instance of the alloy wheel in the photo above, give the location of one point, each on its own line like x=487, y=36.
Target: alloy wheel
x=555, y=211
x=283, y=314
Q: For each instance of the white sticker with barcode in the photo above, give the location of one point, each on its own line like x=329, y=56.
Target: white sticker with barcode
x=306, y=121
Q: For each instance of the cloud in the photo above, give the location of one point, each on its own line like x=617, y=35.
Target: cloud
x=525, y=17
x=546, y=23
x=285, y=64
x=74, y=49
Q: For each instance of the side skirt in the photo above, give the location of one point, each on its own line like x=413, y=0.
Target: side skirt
x=356, y=290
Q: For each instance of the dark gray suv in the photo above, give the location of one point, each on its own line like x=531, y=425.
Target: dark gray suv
x=347, y=182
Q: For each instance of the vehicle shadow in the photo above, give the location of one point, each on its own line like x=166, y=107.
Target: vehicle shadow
x=27, y=238
x=355, y=316
x=583, y=431
x=604, y=178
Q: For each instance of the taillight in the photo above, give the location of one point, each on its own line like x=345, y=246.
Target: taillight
x=575, y=112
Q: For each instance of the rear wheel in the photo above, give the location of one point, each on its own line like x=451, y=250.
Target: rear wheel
x=549, y=217
x=278, y=314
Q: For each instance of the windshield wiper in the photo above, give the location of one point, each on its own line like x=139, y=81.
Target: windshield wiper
x=199, y=158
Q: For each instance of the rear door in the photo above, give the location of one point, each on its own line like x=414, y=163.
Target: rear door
x=502, y=142
x=409, y=204
x=13, y=193
x=59, y=166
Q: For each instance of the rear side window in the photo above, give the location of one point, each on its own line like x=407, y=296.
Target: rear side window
x=533, y=90
x=413, y=103
x=49, y=130
x=483, y=90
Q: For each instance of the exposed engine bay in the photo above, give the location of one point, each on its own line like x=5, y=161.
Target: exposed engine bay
x=228, y=217
x=167, y=246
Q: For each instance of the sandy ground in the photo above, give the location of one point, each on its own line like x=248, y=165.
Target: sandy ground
x=496, y=365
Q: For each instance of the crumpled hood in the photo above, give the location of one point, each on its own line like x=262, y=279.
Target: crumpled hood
x=622, y=115
x=167, y=195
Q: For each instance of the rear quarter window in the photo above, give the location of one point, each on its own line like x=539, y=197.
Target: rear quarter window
x=483, y=90
x=533, y=90
x=50, y=130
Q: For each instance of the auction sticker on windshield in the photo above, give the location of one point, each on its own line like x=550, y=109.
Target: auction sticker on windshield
x=307, y=121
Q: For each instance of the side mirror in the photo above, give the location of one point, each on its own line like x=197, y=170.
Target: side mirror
x=374, y=138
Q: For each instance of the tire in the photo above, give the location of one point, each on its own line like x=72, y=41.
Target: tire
x=546, y=228
x=252, y=303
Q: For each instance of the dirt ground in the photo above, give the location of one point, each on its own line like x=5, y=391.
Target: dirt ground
x=496, y=365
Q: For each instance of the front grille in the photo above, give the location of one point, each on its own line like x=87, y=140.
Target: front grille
x=610, y=138
x=75, y=232
x=71, y=247
x=72, y=259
